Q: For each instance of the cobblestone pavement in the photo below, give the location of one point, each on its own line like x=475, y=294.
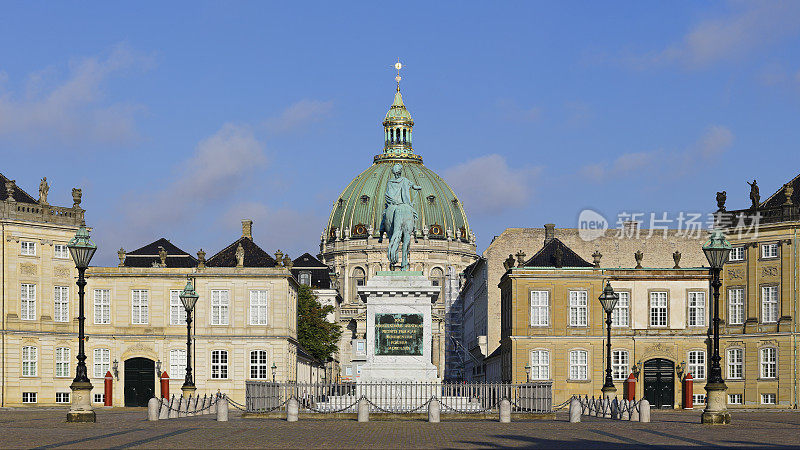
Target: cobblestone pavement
x=125, y=428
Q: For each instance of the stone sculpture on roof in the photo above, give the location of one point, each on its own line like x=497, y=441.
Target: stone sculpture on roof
x=44, y=188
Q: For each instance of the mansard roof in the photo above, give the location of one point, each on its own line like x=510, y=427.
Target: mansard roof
x=19, y=194
x=147, y=255
x=320, y=272
x=554, y=250
x=254, y=256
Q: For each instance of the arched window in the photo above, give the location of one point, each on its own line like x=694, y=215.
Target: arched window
x=404, y=136
x=359, y=278
x=437, y=278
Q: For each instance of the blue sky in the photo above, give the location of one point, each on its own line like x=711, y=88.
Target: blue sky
x=180, y=119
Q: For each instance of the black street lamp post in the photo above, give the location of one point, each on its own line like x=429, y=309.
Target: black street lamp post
x=608, y=299
x=717, y=249
x=188, y=297
x=274, y=371
x=82, y=249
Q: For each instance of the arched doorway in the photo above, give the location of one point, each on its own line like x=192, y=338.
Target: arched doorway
x=140, y=382
x=659, y=382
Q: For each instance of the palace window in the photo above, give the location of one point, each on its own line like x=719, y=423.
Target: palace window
x=540, y=308
x=620, y=316
x=769, y=362
x=697, y=309
x=735, y=399
x=99, y=398
x=619, y=364
x=735, y=363
x=258, y=307
x=579, y=365
x=736, y=306
x=768, y=399
x=62, y=397
x=29, y=397
x=361, y=347
x=769, y=250
x=61, y=304
x=27, y=295
x=102, y=362
x=699, y=399
x=60, y=251
x=578, y=308
x=540, y=365
x=177, y=363
x=139, y=304
x=305, y=278
x=697, y=364
x=348, y=371
x=102, y=306
x=736, y=254
x=30, y=361
x=27, y=248
x=219, y=364
x=769, y=304
x=259, y=368
x=658, y=309
x=62, y=362
x=220, y=300
x=177, y=313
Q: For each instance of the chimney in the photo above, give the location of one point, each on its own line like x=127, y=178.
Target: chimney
x=549, y=232
x=247, y=229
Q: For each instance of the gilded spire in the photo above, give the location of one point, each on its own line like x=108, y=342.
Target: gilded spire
x=398, y=123
x=398, y=65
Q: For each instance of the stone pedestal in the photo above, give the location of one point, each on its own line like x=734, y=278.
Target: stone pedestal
x=399, y=322
x=609, y=392
x=716, y=412
x=188, y=391
x=81, y=408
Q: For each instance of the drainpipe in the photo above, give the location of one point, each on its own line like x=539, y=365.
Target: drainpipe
x=794, y=319
x=3, y=319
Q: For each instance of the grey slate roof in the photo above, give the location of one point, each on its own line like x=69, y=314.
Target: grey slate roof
x=19, y=194
x=147, y=255
x=254, y=256
x=320, y=272
x=548, y=256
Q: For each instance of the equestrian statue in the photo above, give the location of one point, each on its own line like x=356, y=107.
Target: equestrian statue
x=399, y=217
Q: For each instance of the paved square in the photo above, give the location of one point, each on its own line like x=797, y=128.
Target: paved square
x=128, y=428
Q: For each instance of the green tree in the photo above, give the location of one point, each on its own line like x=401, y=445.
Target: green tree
x=318, y=336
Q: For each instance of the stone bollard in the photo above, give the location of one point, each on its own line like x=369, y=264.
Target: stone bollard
x=152, y=409
x=634, y=411
x=575, y=410
x=505, y=411
x=195, y=405
x=214, y=399
x=292, y=410
x=173, y=407
x=625, y=413
x=644, y=413
x=222, y=409
x=163, y=412
x=205, y=404
x=615, y=408
x=363, y=410
x=182, y=406
x=434, y=410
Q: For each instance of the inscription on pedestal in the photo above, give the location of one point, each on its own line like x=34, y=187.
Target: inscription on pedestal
x=398, y=334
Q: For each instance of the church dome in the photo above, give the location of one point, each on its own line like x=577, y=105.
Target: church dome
x=358, y=211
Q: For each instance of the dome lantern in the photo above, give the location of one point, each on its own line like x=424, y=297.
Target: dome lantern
x=398, y=124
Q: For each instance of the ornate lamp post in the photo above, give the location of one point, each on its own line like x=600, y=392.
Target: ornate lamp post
x=82, y=249
x=188, y=297
x=716, y=249
x=274, y=371
x=527, y=373
x=608, y=299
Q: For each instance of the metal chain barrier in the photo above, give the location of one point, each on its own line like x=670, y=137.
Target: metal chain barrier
x=396, y=412
x=332, y=411
x=479, y=411
x=166, y=404
x=242, y=407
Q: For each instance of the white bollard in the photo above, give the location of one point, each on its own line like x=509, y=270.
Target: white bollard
x=505, y=411
x=644, y=413
x=625, y=414
x=163, y=408
x=214, y=398
x=434, y=411
x=292, y=410
x=363, y=410
x=205, y=404
x=182, y=407
x=152, y=409
x=574, y=410
x=222, y=409
x=195, y=405
x=634, y=411
x=615, y=408
x=173, y=407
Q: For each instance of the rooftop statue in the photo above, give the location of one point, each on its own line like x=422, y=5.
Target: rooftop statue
x=44, y=188
x=399, y=217
x=755, y=197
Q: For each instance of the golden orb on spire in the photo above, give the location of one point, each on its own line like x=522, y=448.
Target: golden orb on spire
x=397, y=66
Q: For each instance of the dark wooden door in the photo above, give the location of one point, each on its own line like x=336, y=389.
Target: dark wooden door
x=659, y=382
x=140, y=382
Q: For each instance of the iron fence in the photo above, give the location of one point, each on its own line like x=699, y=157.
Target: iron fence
x=398, y=397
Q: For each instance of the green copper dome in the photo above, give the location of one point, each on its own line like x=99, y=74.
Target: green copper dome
x=358, y=211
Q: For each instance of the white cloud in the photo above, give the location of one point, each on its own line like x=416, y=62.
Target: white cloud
x=713, y=143
x=220, y=166
x=292, y=231
x=487, y=185
x=748, y=27
x=71, y=111
x=300, y=113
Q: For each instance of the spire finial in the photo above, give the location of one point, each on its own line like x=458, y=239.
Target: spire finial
x=398, y=65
